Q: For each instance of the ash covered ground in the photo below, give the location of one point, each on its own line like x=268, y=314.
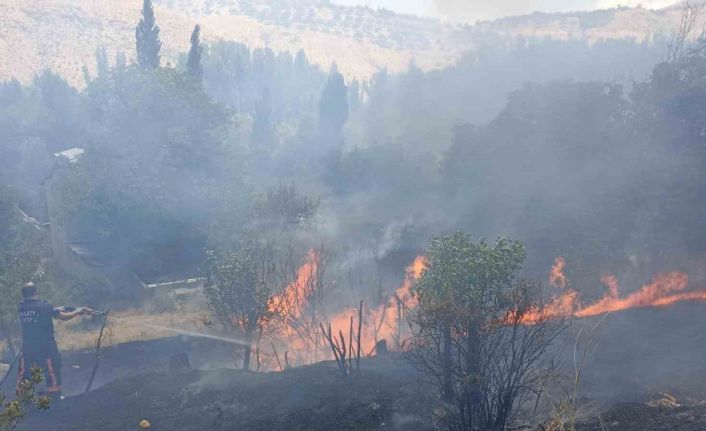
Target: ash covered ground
x=642, y=376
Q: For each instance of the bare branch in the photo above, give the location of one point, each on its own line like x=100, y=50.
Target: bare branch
x=691, y=11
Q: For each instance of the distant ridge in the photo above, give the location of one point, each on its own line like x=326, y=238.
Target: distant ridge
x=63, y=35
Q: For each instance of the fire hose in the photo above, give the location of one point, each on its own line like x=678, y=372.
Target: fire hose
x=90, y=310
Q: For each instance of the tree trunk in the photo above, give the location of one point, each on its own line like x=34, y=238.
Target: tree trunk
x=473, y=392
x=248, y=350
x=446, y=364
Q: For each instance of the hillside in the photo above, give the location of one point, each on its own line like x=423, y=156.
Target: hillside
x=63, y=34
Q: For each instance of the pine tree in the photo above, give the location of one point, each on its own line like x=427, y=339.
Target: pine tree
x=333, y=107
x=147, y=38
x=193, y=65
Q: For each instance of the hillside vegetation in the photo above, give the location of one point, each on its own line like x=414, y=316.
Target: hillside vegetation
x=63, y=35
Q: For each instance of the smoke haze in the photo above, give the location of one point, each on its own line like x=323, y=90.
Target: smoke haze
x=472, y=10
x=245, y=193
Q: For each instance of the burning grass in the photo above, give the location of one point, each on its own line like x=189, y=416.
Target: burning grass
x=385, y=321
x=664, y=290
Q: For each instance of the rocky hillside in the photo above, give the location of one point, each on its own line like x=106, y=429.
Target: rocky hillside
x=64, y=34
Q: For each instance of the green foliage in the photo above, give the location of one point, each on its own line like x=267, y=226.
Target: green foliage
x=284, y=207
x=13, y=412
x=239, y=289
x=158, y=164
x=147, y=38
x=35, y=121
x=474, y=279
x=240, y=77
x=333, y=107
x=469, y=330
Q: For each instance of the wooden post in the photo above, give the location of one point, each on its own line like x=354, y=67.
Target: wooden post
x=360, y=327
x=257, y=350
x=279, y=364
x=350, y=345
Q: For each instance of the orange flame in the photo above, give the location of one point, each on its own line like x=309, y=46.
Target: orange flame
x=390, y=315
x=385, y=321
x=664, y=290
x=293, y=297
x=382, y=322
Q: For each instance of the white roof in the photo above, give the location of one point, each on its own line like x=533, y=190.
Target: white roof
x=72, y=154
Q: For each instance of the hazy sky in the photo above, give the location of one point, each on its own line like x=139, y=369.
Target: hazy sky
x=472, y=10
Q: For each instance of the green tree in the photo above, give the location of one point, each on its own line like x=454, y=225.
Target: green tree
x=193, y=64
x=157, y=166
x=471, y=332
x=333, y=108
x=238, y=289
x=147, y=38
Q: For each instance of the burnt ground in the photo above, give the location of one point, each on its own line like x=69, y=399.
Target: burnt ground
x=386, y=395
x=641, y=355
x=135, y=358
x=641, y=417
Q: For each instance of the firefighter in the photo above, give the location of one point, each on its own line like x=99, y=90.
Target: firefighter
x=38, y=343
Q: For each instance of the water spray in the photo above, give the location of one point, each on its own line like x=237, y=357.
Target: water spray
x=160, y=327
x=178, y=331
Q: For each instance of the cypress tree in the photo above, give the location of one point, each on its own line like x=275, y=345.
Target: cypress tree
x=333, y=107
x=147, y=38
x=193, y=65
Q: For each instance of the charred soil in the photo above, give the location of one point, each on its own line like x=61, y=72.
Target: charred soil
x=641, y=417
x=386, y=395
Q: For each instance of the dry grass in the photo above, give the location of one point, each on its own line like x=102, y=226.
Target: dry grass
x=132, y=325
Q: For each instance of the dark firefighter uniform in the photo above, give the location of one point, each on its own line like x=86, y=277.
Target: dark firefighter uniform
x=38, y=344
